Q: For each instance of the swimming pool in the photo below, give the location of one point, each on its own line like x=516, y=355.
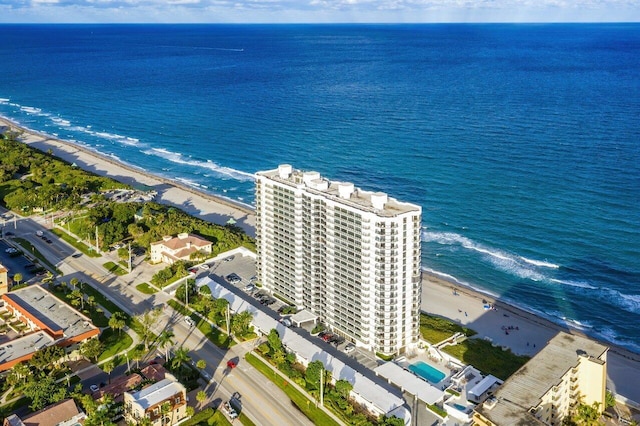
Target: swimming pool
x=427, y=372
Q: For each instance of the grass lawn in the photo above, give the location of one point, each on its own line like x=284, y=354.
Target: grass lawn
x=115, y=268
x=436, y=329
x=216, y=336
x=487, y=358
x=146, y=289
x=209, y=417
x=306, y=406
x=79, y=245
x=114, y=342
x=34, y=251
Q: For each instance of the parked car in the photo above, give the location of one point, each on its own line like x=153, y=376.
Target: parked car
x=286, y=322
x=204, y=266
x=250, y=288
x=229, y=259
x=349, y=348
x=233, y=278
x=39, y=233
x=76, y=255
x=189, y=321
x=193, y=270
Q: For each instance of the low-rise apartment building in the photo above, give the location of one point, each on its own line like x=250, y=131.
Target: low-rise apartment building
x=570, y=370
x=164, y=403
x=43, y=320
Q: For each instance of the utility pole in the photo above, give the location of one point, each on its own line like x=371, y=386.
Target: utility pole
x=321, y=391
x=129, y=257
x=97, y=249
x=228, y=316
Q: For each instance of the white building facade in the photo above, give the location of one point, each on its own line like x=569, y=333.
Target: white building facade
x=350, y=256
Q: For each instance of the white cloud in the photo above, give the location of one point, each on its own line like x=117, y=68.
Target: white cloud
x=284, y=11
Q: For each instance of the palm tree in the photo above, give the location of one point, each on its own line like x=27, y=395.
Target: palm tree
x=74, y=282
x=117, y=321
x=201, y=397
x=165, y=341
x=180, y=356
x=108, y=368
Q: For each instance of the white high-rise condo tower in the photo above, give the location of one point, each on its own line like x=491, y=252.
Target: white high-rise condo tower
x=349, y=256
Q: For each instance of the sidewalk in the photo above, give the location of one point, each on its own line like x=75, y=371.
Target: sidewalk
x=290, y=382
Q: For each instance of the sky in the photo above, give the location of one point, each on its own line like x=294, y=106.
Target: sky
x=316, y=11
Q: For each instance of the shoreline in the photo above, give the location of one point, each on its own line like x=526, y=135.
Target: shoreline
x=213, y=208
x=440, y=296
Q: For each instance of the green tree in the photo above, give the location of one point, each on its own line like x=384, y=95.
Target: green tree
x=587, y=415
x=201, y=364
x=609, y=400
x=343, y=388
x=190, y=411
x=42, y=390
x=180, y=357
x=77, y=298
x=117, y=321
x=108, y=367
x=312, y=375
x=92, y=349
x=165, y=341
x=19, y=374
x=201, y=397
x=147, y=320
x=47, y=358
x=17, y=277
x=74, y=282
x=241, y=322
x=273, y=338
x=390, y=421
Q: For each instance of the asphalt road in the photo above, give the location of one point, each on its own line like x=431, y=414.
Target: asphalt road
x=262, y=401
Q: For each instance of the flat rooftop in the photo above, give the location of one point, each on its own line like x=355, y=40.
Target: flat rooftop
x=49, y=310
x=526, y=386
x=357, y=198
x=157, y=393
x=24, y=345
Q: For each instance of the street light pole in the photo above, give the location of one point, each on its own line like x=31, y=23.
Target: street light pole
x=321, y=392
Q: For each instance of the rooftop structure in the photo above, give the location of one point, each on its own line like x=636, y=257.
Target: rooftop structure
x=46, y=321
x=569, y=370
x=349, y=256
x=63, y=413
x=170, y=250
x=148, y=403
x=371, y=392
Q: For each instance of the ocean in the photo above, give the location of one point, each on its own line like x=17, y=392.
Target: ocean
x=521, y=142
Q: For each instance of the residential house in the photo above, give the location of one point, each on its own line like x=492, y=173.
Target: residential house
x=172, y=249
x=164, y=403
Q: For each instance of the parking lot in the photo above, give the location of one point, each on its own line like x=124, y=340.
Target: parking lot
x=239, y=272
x=15, y=264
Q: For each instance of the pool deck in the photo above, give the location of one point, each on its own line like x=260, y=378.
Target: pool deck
x=459, y=379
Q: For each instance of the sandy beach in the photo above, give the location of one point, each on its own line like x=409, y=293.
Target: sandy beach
x=522, y=332
x=213, y=209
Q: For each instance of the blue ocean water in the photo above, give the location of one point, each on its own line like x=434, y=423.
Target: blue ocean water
x=521, y=142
